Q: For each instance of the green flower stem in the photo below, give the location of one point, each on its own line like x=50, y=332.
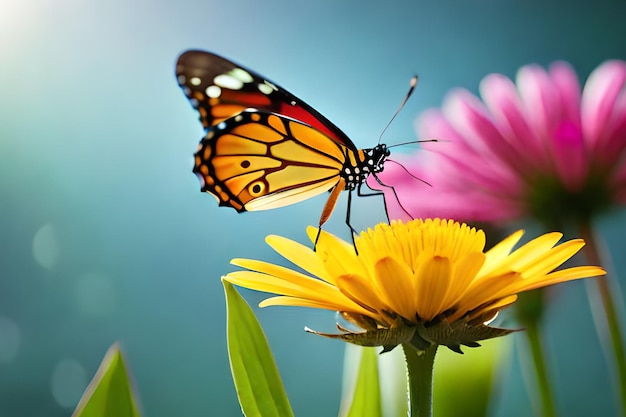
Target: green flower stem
x=592, y=253
x=420, y=366
x=529, y=311
x=533, y=335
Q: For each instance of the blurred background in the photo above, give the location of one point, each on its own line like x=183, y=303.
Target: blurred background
x=104, y=235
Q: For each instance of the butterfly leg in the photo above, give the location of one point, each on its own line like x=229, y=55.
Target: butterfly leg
x=329, y=207
x=395, y=194
x=360, y=193
x=352, y=231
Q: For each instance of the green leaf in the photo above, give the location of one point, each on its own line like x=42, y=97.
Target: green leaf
x=366, y=401
x=258, y=384
x=109, y=393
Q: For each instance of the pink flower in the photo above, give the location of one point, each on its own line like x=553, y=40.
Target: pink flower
x=537, y=148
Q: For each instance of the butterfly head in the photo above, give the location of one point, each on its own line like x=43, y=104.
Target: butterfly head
x=378, y=156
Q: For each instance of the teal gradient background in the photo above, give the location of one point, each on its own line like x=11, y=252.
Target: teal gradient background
x=105, y=236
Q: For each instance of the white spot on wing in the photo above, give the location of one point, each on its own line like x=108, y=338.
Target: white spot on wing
x=195, y=81
x=241, y=74
x=228, y=81
x=272, y=86
x=213, y=91
x=265, y=89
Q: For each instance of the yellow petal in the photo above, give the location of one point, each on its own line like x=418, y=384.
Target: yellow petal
x=448, y=238
x=300, y=255
x=304, y=287
x=332, y=305
x=338, y=257
x=556, y=277
x=490, y=310
x=374, y=245
x=552, y=259
x=404, y=249
x=396, y=285
x=485, y=290
x=271, y=269
x=529, y=252
x=465, y=240
x=500, y=251
x=432, y=283
x=361, y=291
x=464, y=272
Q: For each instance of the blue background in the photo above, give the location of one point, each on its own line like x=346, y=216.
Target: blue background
x=105, y=236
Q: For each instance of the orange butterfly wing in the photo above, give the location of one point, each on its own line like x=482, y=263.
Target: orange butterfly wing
x=261, y=161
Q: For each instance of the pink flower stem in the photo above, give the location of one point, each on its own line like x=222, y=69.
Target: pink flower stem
x=592, y=253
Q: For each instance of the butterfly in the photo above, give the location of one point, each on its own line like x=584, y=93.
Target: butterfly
x=264, y=148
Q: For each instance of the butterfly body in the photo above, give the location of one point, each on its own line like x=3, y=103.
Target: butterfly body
x=264, y=148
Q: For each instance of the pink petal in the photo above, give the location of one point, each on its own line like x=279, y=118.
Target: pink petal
x=481, y=174
x=459, y=159
x=541, y=103
x=568, y=146
x=566, y=82
x=570, y=156
x=611, y=150
x=598, y=100
x=501, y=97
x=469, y=115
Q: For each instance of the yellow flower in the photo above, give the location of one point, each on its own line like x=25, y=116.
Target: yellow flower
x=423, y=282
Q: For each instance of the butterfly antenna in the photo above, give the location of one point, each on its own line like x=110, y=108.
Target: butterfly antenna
x=406, y=98
x=408, y=172
x=414, y=141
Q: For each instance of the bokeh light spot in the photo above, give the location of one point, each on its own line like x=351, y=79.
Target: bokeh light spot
x=10, y=338
x=95, y=294
x=46, y=246
x=69, y=380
